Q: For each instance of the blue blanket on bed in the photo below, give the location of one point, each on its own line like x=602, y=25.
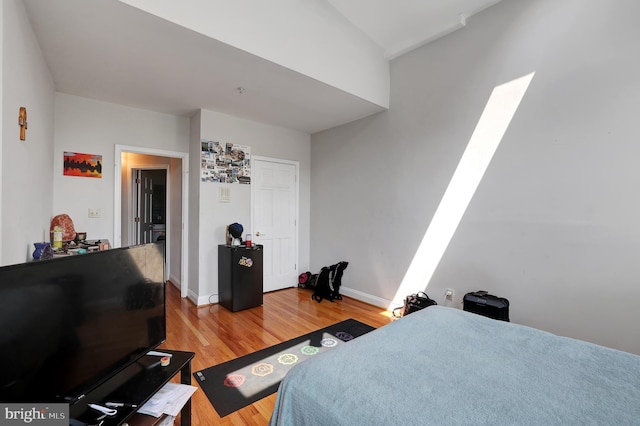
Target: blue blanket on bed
x=444, y=366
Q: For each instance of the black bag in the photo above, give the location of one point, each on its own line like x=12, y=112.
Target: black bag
x=303, y=279
x=485, y=304
x=322, y=289
x=412, y=303
x=335, y=278
x=327, y=285
x=313, y=280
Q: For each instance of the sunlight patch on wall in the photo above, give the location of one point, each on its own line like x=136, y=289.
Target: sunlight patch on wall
x=486, y=137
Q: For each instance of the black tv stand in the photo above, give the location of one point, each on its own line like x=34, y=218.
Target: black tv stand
x=135, y=385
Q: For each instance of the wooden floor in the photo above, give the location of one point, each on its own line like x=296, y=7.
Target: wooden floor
x=217, y=335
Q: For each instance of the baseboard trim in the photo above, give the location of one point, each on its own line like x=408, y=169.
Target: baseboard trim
x=365, y=297
x=209, y=299
x=346, y=291
x=175, y=281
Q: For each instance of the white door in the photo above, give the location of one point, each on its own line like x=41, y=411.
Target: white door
x=274, y=193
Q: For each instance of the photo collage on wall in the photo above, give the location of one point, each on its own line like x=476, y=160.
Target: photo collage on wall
x=225, y=162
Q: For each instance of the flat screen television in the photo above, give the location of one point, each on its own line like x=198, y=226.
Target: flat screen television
x=70, y=323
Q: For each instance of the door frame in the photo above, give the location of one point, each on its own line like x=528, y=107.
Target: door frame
x=117, y=203
x=296, y=164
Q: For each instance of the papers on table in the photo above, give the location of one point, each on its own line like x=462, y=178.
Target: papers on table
x=168, y=400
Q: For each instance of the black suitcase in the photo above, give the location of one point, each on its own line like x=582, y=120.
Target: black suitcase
x=488, y=305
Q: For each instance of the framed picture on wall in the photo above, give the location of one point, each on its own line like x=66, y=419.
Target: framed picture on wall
x=83, y=165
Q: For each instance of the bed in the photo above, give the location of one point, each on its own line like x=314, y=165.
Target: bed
x=445, y=366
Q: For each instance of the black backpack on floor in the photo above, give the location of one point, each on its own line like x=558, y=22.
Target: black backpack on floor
x=328, y=282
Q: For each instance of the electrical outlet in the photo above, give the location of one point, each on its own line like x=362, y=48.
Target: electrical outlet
x=94, y=213
x=448, y=295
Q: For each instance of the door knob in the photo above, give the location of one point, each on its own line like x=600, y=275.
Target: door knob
x=258, y=234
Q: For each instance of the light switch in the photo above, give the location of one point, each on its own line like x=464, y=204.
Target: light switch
x=224, y=194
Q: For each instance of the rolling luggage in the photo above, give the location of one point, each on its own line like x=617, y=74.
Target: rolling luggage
x=488, y=305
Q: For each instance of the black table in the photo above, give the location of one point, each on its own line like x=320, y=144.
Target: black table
x=135, y=385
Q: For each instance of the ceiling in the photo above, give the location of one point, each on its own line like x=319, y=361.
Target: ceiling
x=402, y=25
x=108, y=51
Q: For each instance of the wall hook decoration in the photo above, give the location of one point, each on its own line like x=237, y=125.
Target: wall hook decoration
x=22, y=121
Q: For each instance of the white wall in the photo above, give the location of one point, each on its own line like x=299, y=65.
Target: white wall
x=265, y=141
x=2, y=14
x=193, y=287
x=174, y=230
x=309, y=37
x=92, y=127
x=27, y=190
x=553, y=225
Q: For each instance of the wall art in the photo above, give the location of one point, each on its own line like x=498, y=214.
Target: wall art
x=84, y=165
x=225, y=162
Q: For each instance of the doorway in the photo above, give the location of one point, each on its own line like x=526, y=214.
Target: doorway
x=176, y=164
x=150, y=205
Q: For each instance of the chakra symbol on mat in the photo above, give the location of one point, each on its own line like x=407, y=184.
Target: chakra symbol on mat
x=234, y=380
x=262, y=369
x=344, y=336
x=287, y=359
x=309, y=350
x=329, y=342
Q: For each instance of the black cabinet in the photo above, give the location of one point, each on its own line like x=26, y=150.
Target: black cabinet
x=240, y=277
